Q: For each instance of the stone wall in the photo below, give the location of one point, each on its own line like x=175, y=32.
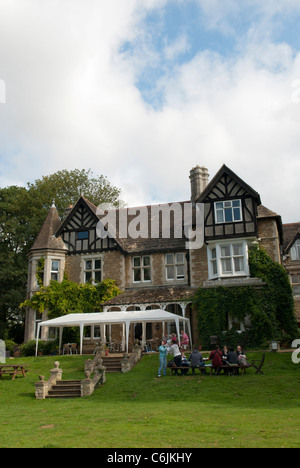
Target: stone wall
x=269, y=235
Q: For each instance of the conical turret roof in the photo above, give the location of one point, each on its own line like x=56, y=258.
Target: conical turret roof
x=46, y=239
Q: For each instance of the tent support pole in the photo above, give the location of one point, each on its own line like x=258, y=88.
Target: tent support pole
x=81, y=337
x=60, y=338
x=37, y=339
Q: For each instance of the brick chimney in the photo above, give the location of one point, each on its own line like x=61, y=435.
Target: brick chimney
x=199, y=180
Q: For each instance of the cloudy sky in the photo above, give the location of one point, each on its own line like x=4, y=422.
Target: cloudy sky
x=143, y=90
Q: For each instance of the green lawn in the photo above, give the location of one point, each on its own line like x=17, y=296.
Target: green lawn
x=137, y=409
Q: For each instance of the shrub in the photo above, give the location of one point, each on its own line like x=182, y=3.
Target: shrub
x=10, y=346
x=28, y=349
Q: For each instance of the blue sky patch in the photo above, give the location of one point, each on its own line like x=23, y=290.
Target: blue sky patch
x=174, y=35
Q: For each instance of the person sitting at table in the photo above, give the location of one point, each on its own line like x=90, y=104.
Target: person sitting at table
x=225, y=353
x=216, y=358
x=232, y=360
x=241, y=356
x=232, y=357
x=184, y=363
x=174, y=349
x=197, y=362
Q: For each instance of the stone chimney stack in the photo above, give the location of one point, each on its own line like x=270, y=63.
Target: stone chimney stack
x=199, y=179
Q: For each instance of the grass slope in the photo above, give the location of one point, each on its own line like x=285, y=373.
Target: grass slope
x=137, y=409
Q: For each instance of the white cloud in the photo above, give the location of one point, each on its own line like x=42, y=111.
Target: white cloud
x=72, y=101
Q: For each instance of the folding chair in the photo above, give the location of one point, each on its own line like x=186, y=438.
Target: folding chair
x=258, y=364
x=73, y=348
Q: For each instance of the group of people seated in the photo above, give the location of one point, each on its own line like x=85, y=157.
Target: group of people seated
x=227, y=357
x=218, y=358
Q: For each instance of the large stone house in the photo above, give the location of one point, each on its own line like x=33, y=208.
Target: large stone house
x=158, y=255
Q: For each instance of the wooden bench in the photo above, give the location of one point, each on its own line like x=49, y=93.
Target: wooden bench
x=234, y=369
x=185, y=369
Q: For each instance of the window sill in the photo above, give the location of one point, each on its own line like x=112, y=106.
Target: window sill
x=233, y=282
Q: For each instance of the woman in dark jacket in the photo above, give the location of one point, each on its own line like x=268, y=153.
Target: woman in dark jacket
x=216, y=357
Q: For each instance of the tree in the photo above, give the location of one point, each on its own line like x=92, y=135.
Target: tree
x=16, y=234
x=66, y=187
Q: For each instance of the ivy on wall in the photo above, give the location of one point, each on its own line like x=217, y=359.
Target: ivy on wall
x=269, y=309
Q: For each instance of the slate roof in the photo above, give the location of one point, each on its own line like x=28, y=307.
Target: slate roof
x=46, y=239
x=148, y=244
x=152, y=295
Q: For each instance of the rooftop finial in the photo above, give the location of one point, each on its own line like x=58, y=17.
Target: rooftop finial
x=53, y=203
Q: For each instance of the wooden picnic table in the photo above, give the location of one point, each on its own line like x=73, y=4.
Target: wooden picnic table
x=226, y=368
x=13, y=369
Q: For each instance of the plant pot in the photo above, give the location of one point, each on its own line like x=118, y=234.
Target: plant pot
x=106, y=352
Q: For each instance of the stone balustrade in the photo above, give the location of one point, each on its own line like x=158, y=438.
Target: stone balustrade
x=128, y=362
x=42, y=387
x=93, y=366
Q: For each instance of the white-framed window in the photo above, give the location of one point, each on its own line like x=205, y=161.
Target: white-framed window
x=228, y=211
x=295, y=251
x=228, y=259
x=55, y=269
x=295, y=280
x=298, y=248
x=141, y=269
x=92, y=270
x=175, y=266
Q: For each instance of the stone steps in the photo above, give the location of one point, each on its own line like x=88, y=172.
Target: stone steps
x=66, y=389
x=112, y=364
x=72, y=388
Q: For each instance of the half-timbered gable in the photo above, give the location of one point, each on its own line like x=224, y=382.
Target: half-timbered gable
x=230, y=207
x=79, y=230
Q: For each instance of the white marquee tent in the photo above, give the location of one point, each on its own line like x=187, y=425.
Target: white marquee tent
x=109, y=318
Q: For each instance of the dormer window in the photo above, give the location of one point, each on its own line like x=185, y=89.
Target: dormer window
x=228, y=211
x=295, y=251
